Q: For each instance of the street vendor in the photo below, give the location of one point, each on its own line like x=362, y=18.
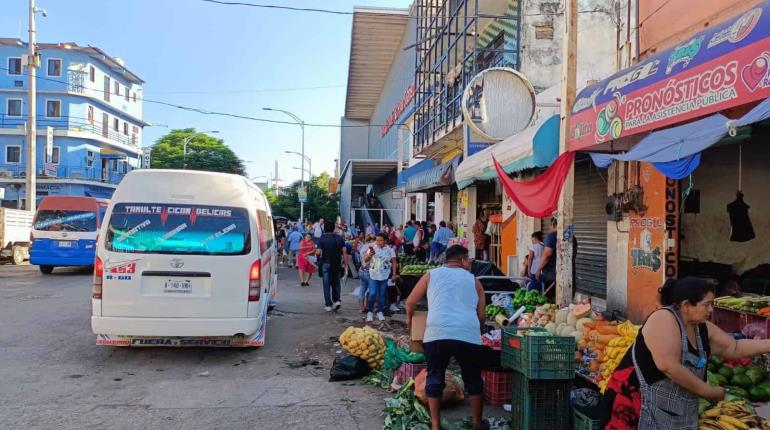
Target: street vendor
x=659, y=380
x=456, y=310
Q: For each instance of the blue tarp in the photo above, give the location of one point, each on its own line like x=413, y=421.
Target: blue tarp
x=676, y=151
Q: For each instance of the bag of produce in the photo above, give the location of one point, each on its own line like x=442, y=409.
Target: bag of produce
x=453, y=390
x=395, y=356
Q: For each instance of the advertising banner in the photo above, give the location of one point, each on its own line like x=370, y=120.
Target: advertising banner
x=725, y=66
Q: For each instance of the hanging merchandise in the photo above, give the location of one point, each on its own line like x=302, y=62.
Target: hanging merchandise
x=539, y=197
x=741, y=229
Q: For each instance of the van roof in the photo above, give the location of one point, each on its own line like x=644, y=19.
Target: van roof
x=185, y=187
x=71, y=203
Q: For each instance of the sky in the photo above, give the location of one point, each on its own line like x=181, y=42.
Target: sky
x=207, y=56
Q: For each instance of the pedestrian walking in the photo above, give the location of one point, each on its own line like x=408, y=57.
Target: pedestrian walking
x=383, y=266
x=306, y=260
x=452, y=330
x=363, y=273
x=545, y=271
x=440, y=241
x=330, y=252
x=409, y=233
x=536, y=249
x=480, y=237
x=294, y=239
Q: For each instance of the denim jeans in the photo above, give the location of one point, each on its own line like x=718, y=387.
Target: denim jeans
x=331, y=284
x=364, y=279
x=378, y=291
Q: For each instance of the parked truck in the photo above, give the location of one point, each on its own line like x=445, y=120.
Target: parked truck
x=15, y=230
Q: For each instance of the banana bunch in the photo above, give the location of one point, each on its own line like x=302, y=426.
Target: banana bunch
x=731, y=415
x=615, y=350
x=628, y=329
x=365, y=343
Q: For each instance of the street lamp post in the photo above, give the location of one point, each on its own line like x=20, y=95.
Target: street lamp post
x=187, y=140
x=306, y=158
x=301, y=124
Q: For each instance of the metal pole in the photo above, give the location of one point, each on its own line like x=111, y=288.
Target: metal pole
x=31, y=182
x=302, y=204
x=184, y=151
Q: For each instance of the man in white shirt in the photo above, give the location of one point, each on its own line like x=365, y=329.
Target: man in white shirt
x=318, y=229
x=536, y=250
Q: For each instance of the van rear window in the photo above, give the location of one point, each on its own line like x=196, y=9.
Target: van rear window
x=178, y=229
x=65, y=220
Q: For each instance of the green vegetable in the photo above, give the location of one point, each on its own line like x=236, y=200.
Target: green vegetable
x=726, y=372
x=739, y=392
x=738, y=370
x=742, y=381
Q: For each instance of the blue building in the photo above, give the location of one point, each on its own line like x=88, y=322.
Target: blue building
x=92, y=102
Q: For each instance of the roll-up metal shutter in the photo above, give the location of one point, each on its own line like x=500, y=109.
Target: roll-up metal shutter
x=590, y=223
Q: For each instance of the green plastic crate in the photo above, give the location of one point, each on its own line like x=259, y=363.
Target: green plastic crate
x=538, y=357
x=585, y=419
x=538, y=404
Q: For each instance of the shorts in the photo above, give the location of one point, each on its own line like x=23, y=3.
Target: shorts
x=439, y=352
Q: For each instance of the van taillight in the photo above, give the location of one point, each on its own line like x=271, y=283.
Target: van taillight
x=96, y=290
x=31, y=238
x=255, y=284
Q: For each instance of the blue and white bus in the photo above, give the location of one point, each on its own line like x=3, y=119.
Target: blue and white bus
x=64, y=231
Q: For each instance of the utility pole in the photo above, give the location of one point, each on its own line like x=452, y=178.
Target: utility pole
x=564, y=263
x=32, y=64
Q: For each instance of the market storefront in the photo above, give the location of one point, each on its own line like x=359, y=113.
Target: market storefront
x=686, y=131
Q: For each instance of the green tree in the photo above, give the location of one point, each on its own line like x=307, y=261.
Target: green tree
x=203, y=153
x=320, y=203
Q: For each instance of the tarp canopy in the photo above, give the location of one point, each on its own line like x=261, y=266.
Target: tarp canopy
x=536, y=146
x=439, y=176
x=676, y=151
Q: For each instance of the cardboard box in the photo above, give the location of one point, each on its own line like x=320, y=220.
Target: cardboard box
x=419, y=318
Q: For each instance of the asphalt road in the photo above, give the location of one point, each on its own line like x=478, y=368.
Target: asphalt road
x=52, y=375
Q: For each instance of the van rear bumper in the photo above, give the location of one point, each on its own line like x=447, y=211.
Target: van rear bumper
x=188, y=327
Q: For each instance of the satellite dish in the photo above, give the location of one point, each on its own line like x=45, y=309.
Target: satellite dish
x=498, y=102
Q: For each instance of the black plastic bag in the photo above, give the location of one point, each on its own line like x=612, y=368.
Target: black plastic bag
x=347, y=367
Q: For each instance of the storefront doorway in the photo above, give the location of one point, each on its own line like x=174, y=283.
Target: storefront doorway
x=590, y=221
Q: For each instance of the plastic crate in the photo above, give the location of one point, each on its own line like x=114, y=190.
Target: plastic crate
x=727, y=319
x=584, y=419
x=408, y=370
x=754, y=326
x=497, y=386
x=538, y=404
x=539, y=357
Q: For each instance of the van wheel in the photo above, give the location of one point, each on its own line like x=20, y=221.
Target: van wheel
x=18, y=255
x=46, y=270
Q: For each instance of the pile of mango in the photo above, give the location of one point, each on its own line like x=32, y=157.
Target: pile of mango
x=365, y=343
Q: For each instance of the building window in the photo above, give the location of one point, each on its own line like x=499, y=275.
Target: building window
x=54, y=67
x=125, y=128
x=90, y=114
x=18, y=84
x=106, y=88
x=89, y=159
x=13, y=154
x=117, y=88
x=134, y=96
x=127, y=94
x=14, y=65
x=135, y=135
x=14, y=107
x=116, y=124
x=56, y=155
x=92, y=73
x=53, y=108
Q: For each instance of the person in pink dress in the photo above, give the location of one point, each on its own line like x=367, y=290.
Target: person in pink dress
x=305, y=266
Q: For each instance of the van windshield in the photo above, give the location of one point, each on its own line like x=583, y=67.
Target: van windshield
x=65, y=220
x=178, y=229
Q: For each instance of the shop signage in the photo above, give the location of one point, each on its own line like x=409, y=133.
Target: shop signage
x=49, y=170
x=398, y=110
x=302, y=195
x=725, y=66
x=672, y=228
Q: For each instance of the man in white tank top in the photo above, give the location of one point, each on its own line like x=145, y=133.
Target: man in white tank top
x=453, y=329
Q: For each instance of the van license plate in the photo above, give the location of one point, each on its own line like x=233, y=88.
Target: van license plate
x=65, y=244
x=178, y=287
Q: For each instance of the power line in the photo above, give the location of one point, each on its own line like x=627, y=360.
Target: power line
x=271, y=6
x=263, y=90
x=215, y=113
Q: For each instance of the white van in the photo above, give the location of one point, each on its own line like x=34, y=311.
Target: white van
x=184, y=258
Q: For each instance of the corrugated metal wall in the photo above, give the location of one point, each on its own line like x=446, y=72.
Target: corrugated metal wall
x=590, y=223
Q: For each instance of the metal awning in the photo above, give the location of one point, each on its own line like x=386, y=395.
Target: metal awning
x=366, y=171
x=536, y=146
x=376, y=39
x=442, y=175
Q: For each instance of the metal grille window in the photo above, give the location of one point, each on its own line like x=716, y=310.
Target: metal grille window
x=13, y=154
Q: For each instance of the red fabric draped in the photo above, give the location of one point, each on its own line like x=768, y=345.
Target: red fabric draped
x=539, y=197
